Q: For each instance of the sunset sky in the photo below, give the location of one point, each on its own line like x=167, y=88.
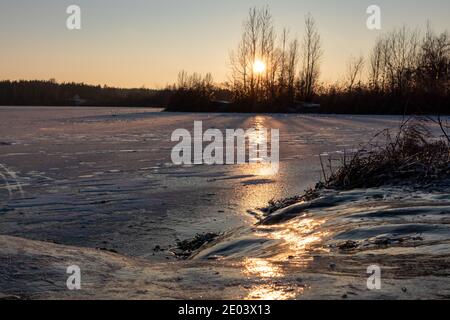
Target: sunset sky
x=138, y=43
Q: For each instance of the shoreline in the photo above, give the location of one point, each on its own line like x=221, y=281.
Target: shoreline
x=280, y=268
x=163, y=110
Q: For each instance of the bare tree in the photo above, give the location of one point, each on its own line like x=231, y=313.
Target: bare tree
x=434, y=59
x=280, y=56
x=291, y=69
x=283, y=61
x=376, y=65
x=288, y=62
x=311, y=55
x=394, y=61
x=257, y=44
x=239, y=68
x=403, y=46
x=355, y=68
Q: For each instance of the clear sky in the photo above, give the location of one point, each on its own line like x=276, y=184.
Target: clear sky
x=136, y=43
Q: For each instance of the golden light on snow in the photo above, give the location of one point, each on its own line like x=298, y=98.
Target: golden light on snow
x=262, y=268
x=259, y=67
x=271, y=292
x=295, y=239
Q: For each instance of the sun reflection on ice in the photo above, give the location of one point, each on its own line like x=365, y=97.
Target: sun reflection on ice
x=296, y=238
x=264, y=170
x=300, y=236
x=271, y=292
x=263, y=268
x=267, y=270
x=262, y=176
x=292, y=240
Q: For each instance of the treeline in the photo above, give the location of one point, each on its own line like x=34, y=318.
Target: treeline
x=198, y=93
x=406, y=72
x=192, y=92
x=50, y=93
x=268, y=73
x=271, y=72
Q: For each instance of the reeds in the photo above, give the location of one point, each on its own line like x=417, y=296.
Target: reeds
x=413, y=155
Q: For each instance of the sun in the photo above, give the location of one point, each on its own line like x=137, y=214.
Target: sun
x=259, y=67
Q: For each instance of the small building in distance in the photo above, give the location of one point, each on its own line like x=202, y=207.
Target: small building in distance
x=221, y=105
x=77, y=101
x=306, y=107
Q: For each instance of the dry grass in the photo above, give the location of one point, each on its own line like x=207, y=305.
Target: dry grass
x=275, y=205
x=413, y=155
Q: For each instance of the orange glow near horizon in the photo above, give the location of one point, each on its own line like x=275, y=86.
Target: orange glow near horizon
x=147, y=43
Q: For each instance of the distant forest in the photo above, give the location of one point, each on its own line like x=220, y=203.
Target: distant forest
x=50, y=93
x=406, y=72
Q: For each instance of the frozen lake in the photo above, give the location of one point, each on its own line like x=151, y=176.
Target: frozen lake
x=78, y=179
x=103, y=177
